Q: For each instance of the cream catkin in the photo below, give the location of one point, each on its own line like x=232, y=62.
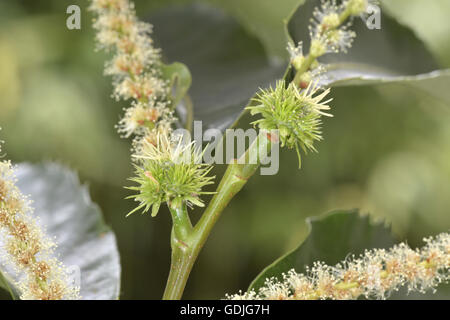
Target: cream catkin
x=27, y=248
x=330, y=33
x=136, y=70
x=374, y=275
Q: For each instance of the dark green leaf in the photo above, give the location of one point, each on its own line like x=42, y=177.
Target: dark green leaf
x=264, y=19
x=261, y=18
x=227, y=64
x=68, y=214
x=331, y=239
x=433, y=84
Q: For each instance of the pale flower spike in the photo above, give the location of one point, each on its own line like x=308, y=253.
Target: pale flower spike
x=136, y=70
x=29, y=251
x=296, y=54
x=374, y=275
x=330, y=33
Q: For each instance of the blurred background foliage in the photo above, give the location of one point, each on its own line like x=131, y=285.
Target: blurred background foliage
x=386, y=151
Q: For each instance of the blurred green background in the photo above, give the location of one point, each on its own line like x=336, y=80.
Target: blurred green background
x=386, y=151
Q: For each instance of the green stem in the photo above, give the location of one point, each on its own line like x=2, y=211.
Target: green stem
x=181, y=266
x=186, y=242
x=344, y=16
x=309, y=60
x=182, y=225
x=190, y=113
x=233, y=181
x=181, y=263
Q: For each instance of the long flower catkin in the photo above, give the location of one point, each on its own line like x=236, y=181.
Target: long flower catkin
x=136, y=70
x=375, y=275
x=27, y=248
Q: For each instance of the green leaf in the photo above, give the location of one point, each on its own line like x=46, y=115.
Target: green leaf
x=331, y=239
x=392, y=53
x=67, y=213
x=260, y=18
x=264, y=19
x=434, y=84
x=179, y=78
x=433, y=27
x=228, y=65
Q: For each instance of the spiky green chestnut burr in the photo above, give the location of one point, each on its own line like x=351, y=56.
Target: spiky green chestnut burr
x=170, y=172
x=295, y=114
